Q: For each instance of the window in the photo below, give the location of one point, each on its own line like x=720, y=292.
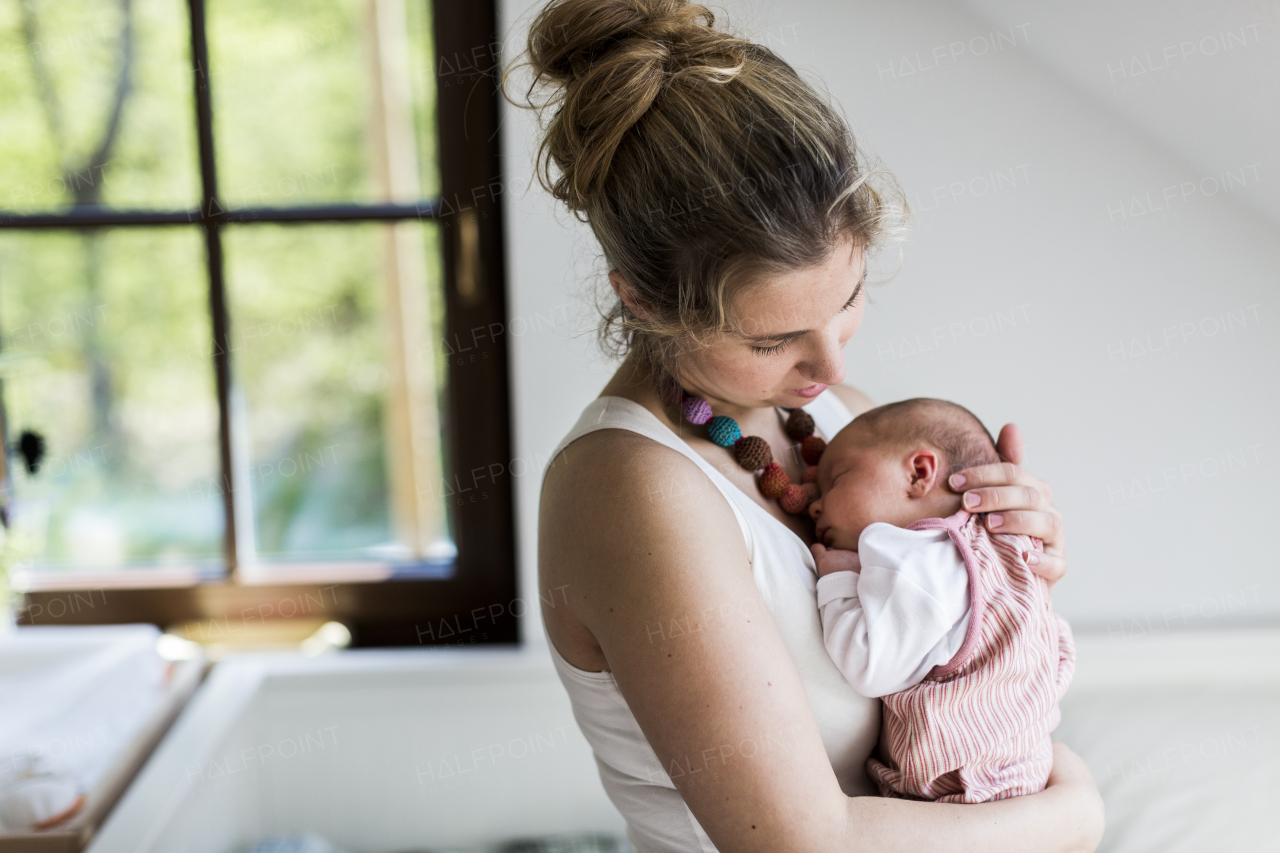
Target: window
x=228, y=266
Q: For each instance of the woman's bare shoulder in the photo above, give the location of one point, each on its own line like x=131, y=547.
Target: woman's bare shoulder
x=620, y=480
x=854, y=400
x=621, y=464
x=621, y=521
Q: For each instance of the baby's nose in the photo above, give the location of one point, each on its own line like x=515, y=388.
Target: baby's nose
x=815, y=509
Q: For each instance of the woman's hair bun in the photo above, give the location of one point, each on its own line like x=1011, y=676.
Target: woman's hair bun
x=572, y=37
x=607, y=62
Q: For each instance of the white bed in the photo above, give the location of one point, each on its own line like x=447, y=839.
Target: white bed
x=1180, y=730
x=380, y=751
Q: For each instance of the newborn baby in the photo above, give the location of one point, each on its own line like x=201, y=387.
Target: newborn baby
x=925, y=608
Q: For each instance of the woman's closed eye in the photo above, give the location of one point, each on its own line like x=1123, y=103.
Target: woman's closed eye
x=774, y=349
x=857, y=291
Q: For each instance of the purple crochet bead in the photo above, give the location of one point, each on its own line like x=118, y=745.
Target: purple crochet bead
x=724, y=431
x=696, y=410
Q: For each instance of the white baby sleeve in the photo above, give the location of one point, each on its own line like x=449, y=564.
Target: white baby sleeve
x=907, y=612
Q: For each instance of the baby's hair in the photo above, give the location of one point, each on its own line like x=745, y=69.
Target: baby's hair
x=949, y=428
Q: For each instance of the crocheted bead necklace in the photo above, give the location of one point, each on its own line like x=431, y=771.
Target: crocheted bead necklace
x=753, y=453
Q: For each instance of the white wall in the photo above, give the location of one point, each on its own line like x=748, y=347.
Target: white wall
x=1137, y=347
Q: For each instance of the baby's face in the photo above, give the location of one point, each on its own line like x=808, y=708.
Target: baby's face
x=860, y=481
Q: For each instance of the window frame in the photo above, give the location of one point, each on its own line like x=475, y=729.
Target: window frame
x=477, y=603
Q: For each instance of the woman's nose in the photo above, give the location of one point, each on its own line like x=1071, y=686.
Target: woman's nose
x=828, y=370
x=826, y=363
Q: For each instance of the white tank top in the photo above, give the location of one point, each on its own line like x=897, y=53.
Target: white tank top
x=658, y=821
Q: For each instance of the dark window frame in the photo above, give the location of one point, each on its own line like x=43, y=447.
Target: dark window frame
x=477, y=603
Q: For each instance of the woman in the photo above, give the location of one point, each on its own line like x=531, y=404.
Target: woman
x=728, y=200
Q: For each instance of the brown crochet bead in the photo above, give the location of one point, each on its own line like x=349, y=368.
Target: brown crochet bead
x=810, y=474
x=799, y=425
x=753, y=452
x=795, y=499
x=774, y=481
x=811, y=449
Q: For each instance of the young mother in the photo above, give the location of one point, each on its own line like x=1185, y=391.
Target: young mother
x=732, y=210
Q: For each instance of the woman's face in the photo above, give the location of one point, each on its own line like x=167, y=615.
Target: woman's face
x=789, y=330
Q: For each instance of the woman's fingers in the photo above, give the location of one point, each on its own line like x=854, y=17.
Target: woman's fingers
x=1051, y=567
x=1015, y=502
x=1045, y=525
x=995, y=474
x=996, y=498
x=1009, y=444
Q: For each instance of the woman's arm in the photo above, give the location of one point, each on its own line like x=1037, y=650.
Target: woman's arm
x=1067, y=815
x=658, y=573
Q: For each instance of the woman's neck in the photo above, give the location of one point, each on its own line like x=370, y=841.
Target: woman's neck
x=634, y=381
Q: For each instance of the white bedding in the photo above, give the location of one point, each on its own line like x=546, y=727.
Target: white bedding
x=1181, y=735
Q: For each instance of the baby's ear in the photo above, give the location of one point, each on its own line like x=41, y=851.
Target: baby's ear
x=924, y=468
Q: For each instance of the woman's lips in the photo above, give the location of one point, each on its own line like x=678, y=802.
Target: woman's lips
x=811, y=391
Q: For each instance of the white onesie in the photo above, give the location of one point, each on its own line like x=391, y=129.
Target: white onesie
x=907, y=611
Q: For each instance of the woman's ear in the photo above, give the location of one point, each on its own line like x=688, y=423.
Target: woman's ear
x=628, y=295
x=922, y=468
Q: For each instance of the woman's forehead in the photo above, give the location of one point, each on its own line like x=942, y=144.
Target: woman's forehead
x=799, y=300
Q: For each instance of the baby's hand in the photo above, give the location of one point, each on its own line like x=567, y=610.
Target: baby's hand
x=834, y=560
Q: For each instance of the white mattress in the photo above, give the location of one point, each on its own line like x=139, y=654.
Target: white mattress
x=1181, y=734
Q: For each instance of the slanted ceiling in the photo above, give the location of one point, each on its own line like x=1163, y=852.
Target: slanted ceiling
x=1200, y=80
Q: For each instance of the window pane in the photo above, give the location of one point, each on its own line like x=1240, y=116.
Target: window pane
x=329, y=332
x=96, y=105
x=106, y=356
x=313, y=101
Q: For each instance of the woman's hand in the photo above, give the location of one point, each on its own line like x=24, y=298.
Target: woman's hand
x=1016, y=502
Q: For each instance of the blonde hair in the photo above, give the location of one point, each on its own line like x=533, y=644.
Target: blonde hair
x=701, y=161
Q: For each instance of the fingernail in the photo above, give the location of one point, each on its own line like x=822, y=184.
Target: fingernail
x=971, y=499
x=1033, y=559
x=957, y=481
x=995, y=520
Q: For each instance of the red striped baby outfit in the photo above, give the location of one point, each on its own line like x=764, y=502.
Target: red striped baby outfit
x=977, y=728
